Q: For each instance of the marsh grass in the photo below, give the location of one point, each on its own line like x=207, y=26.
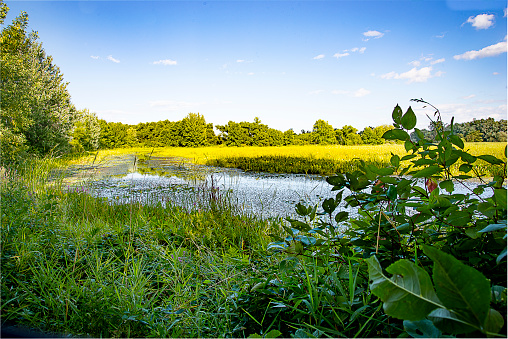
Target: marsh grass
x=308, y=159
x=72, y=263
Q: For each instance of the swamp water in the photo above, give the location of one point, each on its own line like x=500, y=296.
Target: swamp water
x=180, y=182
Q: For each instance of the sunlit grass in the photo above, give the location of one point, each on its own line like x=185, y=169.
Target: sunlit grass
x=201, y=155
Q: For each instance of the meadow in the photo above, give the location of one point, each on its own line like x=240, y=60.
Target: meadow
x=74, y=265
x=309, y=159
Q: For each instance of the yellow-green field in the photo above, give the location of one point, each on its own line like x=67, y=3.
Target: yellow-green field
x=201, y=155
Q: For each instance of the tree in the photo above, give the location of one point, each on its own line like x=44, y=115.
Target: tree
x=35, y=108
x=86, y=132
x=369, y=137
x=348, y=136
x=323, y=133
x=193, y=130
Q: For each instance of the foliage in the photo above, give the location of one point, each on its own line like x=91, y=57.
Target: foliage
x=405, y=223
x=86, y=132
x=36, y=111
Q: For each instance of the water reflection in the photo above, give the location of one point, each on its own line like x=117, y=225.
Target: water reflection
x=178, y=181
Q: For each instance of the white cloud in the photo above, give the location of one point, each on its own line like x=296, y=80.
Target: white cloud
x=240, y=60
x=440, y=36
x=357, y=94
x=250, y=73
x=340, y=55
x=438, y=61
x=504, y=16
x=414, y=75
x=467, y=111
x=316, y=92
x=320, y=56
x=415, y=63
x=489, y=51
x=96, y=57
x=495, y=73
x=469, y=96
x=166, y=62
x=110, y=58
x=359, y=50
x=481, y=21
x=372, y=35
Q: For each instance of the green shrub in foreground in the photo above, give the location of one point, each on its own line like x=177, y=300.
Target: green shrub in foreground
x=328, y=279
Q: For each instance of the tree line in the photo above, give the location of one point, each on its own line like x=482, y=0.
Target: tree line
x=194, y=131
x=38, y=118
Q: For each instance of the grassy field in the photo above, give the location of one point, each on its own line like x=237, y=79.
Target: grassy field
x=311, y=159
x=79, y=265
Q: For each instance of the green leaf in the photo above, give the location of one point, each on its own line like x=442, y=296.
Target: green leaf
x=449, y=322
x=408, y=145
x=421, y=329
x=408, y=295
x=396, y=134
x=490, y=159
x=500, y=197
x=447, y=185
x=273, y=334
x=465, y=168
x=457, y=141
x=337, y=180
x=397, y=115
x=461, y=288
x=494, y=321
x=341, y=216
x=427, y=172
x=395, y=160
x=408, y=120
x=329, y=205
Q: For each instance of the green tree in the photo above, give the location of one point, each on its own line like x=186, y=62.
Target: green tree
x=370, y=137
x=193, y=130
x=86, y=132
x=289, y=137
x=35, y=106
x=348, y=136
x=323, y=133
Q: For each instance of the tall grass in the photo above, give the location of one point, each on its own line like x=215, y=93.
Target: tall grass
x=76, y=264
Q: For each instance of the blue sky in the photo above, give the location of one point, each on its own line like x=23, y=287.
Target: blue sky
x=287, y=62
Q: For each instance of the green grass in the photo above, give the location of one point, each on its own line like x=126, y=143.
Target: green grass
x=76, y=264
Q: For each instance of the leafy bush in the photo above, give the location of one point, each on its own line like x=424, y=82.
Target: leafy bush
x=411, y=224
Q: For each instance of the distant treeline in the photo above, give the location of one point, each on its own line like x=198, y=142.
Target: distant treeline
x=193, y=131
x=478, y=130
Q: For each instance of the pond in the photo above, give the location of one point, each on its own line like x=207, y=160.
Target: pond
x=180, y=182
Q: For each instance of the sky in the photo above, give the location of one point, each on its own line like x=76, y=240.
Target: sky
x=289, y=63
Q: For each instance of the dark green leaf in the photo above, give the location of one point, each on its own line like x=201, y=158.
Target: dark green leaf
x=490, y=159
x=447, y=185
x=408, y=145
x=408, y=157
x=329, y=205
x=494, y=321
x=408, y=120
x=500, y=197
x=457, y=141
x=341, y=216
x=396, y=134
x=465, y=168
x=397, y=115
x=395, y=160
x=427, y=172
